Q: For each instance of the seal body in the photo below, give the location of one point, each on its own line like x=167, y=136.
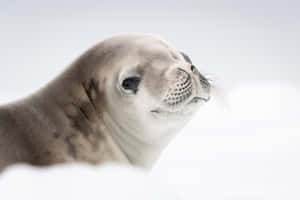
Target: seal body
x=122, y=100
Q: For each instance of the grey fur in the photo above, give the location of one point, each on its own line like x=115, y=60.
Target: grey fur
x=66, y=120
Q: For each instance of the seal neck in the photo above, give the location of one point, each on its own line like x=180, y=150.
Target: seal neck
x=140, y=153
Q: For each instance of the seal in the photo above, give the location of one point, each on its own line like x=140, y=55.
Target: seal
x=122, y=100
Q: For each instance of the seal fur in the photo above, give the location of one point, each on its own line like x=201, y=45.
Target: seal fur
x=86, y=115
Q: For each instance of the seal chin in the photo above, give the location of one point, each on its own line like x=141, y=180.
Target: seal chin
x=194, y=101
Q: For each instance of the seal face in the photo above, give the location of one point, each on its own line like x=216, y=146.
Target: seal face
x=153, y=92
x=123, y=99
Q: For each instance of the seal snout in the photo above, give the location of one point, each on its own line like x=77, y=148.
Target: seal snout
x=185, y=89
x=181, y=90
x=204, y=82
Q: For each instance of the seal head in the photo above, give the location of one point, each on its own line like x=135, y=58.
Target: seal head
x=151, y=92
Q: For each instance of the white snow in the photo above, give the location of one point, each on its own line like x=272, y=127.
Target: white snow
x=248, y=151
x=81, y=182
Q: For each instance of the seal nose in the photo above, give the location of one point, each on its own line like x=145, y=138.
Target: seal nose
x=205, y=83
x=180, y=90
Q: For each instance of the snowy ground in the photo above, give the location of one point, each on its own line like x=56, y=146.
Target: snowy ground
x=249, y=149
x=80, y=182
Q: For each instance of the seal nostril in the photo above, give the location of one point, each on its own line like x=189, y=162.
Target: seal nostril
x=193, y=68
x=204, y=81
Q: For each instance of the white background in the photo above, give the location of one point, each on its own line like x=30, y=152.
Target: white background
x=243, y=145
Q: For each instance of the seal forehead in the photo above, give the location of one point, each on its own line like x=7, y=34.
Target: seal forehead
x=138, y=52
x=142, y=42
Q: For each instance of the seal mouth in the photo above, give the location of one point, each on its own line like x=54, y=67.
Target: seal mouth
x=199, y=99
x=194, y=100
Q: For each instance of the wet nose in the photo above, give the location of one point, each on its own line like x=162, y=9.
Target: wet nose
x=205, y=83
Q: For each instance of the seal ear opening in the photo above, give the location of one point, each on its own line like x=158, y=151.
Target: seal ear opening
x=131, y=84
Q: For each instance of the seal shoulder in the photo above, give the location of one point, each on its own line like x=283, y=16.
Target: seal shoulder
x=12, y=145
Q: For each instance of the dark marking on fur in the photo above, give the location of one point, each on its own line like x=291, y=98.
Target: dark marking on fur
x=81, y=121
x=71, y=147
x=186, y=58
x=91, y=91
x=82, y=111
x=56, y=135
x=84, y=114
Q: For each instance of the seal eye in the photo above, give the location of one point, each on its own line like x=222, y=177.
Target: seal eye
x=131, y=83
